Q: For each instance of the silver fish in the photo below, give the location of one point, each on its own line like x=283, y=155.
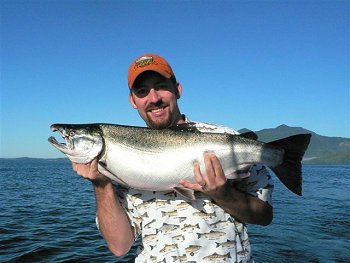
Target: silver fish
x=212, y=234
x=157, y=160
x=216, y=257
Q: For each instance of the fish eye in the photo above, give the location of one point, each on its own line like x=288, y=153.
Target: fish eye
x=71, y=133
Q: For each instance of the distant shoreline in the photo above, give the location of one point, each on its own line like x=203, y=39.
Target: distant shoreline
x=34, y=159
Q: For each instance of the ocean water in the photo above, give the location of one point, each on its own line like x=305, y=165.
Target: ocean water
x=47, y=214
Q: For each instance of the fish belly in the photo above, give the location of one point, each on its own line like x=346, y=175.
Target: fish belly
x=162, y=169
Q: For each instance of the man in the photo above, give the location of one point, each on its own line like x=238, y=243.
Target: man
x=210, y=228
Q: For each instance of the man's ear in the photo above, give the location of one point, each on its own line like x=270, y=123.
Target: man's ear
x=132, y=102
x=179, y=90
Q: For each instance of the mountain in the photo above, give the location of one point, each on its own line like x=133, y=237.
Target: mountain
x=322, y=149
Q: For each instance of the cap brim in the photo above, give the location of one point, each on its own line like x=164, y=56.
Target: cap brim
x=149, y=68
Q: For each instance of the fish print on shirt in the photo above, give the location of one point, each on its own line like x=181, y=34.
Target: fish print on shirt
x=177, y=230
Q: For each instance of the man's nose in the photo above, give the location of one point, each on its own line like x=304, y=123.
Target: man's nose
x=153, y=95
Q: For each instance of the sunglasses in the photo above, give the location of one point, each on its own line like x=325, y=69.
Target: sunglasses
x=143, y=91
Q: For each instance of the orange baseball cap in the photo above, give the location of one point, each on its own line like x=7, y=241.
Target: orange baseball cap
x=150, y=62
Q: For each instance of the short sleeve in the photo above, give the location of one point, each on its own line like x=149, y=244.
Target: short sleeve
x=259, y=183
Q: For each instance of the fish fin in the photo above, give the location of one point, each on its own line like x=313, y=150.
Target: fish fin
x=289, y=172
x=249, y=135
x=185, y=192
x=102, y=167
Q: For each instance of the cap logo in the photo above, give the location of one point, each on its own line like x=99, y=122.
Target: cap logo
x=144, y=61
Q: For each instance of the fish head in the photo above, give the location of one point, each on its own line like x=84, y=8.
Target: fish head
x=82, y=143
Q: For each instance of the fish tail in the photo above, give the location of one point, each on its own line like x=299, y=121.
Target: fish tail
x=289, y=172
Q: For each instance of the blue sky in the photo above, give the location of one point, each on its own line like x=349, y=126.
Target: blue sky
x=243, y=64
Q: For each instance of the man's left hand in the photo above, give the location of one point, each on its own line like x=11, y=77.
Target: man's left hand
x=214, y=183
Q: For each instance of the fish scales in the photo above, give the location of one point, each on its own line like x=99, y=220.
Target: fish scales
x=140, y=138
x=144, y=164
x=157, y=160
x=157, y=152
x=161, y=141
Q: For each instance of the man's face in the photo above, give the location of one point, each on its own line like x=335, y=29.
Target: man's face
x=155, y=98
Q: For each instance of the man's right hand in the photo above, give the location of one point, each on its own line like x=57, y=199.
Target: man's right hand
x=90, y=171
x=113, y=222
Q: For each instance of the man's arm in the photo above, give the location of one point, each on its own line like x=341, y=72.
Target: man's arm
x=241, y=206
x=113, y=222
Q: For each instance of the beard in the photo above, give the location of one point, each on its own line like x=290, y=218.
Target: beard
x=160, y=123
x=170, y=118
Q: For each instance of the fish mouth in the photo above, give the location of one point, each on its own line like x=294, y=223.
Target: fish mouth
x=65, y=146
x=80, y=144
